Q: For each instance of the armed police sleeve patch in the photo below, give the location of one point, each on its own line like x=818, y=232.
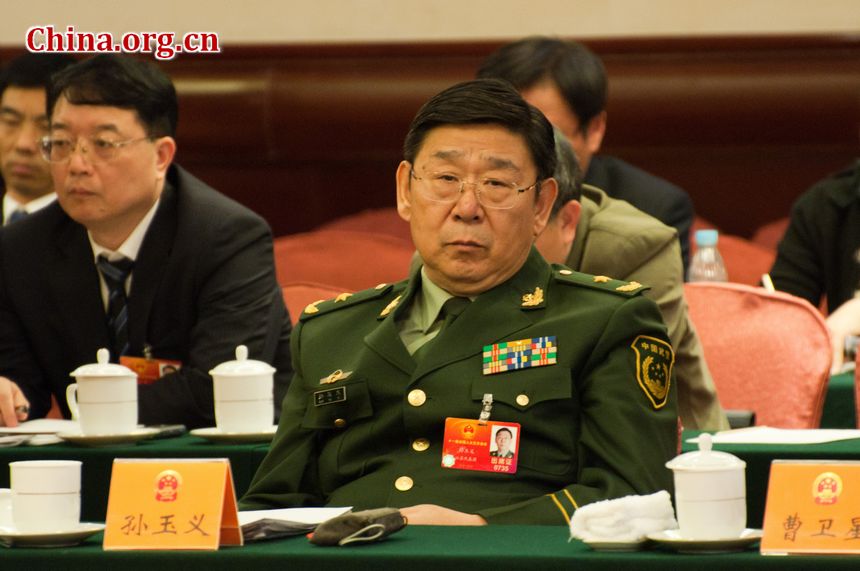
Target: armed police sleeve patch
x=654, y=361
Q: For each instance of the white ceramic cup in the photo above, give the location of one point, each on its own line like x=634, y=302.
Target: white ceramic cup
x=46, y=495
x=711, y=519
x=710, y=493
x=244, y=415
x=104, y=405
x=6, y=508
x=104, y=398
x=243, y=394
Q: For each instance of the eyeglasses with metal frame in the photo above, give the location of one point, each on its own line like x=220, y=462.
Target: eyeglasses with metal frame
x=56, y=149
x=491, y=192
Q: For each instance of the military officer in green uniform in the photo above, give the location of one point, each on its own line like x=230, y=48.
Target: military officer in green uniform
x=393, y=384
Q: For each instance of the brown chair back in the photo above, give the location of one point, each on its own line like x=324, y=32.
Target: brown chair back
x=376, y=220
x=345, y=259
x=768, y=352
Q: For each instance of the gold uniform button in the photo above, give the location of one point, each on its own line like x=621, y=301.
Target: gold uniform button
x=416, y=397
x=339, y=422
x=404, y=483
x=522, y=400
x=420, y=444
x=565, y=272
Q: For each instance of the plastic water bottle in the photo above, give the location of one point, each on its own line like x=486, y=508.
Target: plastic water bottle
x=707, y=264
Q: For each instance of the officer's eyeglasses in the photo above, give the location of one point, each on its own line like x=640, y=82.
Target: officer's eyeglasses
x=491, y=192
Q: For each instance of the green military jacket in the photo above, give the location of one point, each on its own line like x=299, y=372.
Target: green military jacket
x=362, y=424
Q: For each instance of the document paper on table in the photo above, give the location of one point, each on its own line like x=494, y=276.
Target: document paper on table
x=769, y=435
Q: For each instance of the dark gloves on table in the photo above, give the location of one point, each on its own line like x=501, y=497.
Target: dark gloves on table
x=359, y=527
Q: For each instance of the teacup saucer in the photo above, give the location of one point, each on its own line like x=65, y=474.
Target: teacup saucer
x=10, y=537
x=78, y=437
x=672, y=539
x=215, y=434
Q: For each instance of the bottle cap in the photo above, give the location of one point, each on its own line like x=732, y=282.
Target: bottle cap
x=706, y=238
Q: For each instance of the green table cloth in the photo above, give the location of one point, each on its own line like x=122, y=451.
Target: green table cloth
x=416, y=548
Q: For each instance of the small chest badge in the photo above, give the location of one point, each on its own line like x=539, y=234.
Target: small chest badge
x=338, y=375
x=519, y=354
x=654, y=361
x=329, y=396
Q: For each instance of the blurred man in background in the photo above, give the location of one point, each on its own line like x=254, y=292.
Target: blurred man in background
x=23, y=122
x=567, y=82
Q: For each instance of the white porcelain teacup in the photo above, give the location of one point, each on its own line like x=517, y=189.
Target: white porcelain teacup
x=710, y=493
x=46, y=495
x=243, y=394
x=104, y=397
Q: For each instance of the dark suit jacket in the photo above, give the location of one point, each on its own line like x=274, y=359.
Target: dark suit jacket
x=203, y=283
x=652, y=195
x=820, y=252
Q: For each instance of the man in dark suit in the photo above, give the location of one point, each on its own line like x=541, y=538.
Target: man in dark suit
x=137, y=255
x=567, y=82
x=391, y=383
x=23, y=122
x=819, y=255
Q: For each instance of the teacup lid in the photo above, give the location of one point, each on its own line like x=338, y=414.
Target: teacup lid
x=242, y=366
x=705, y=459
x=103, y=367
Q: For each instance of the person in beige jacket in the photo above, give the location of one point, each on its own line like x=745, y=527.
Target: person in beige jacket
x=595, y=234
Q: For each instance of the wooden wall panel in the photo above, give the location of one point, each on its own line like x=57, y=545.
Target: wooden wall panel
x=306, y=133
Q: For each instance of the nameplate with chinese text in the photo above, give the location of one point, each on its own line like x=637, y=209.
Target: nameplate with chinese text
x=171, y=504
x=812, y=507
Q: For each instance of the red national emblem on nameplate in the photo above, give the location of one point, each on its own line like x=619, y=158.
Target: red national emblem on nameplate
x=167, y=486
x=826, y=488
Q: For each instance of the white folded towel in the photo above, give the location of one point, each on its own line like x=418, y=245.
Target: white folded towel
x=630, y=518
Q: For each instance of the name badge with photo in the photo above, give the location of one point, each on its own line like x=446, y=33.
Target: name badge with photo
x=487, y=447
x=150, y=370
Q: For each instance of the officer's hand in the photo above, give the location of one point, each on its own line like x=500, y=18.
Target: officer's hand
x=843, y=322
x=429, y=514
x=14, y=406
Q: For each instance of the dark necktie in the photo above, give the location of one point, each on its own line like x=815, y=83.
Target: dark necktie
x=115, y=275
x=451, y=310
x=16, y=215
